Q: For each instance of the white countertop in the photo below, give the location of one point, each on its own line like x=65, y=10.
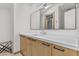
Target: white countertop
x=68, y=41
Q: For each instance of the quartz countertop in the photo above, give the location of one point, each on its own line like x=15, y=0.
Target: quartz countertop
x=68, y=41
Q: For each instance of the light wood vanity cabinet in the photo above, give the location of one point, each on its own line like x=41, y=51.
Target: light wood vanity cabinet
x=39, y=48
x=62, y=51
x=25, y=46
x=78, y=53
x=34, y=47
x=22, y=45
x=44, y=48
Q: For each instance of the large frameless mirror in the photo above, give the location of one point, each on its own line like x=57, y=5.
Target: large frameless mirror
x=55, y=17
x=35, y=20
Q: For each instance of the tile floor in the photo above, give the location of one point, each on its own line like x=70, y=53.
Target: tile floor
x=9, y=54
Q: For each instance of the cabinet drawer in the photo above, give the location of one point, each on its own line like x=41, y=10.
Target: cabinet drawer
x=62, y=51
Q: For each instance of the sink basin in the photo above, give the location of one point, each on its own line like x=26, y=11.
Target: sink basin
x=37, y=34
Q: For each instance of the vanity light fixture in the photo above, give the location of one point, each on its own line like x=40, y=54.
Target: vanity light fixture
x=47, y=6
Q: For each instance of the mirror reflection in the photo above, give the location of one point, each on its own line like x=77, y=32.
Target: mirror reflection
x=55, y=16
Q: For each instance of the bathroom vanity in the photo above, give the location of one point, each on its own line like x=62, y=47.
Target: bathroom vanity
x=34, y=45
x=58, y=17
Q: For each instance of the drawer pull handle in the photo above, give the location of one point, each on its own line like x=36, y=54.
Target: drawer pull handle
x=33, y=40
x=22, y=36
x=46, y=44
x=59, y=49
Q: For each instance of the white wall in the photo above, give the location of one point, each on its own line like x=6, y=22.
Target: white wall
x=5, y=22
x=77, y=21
x=21, y=22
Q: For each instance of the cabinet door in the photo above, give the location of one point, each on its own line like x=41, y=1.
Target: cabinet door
x=22, y=45
x=58, y=51
x=25, y=46
x=61, y=51
x=77, y=53
x=34, y=47
x=44, y=49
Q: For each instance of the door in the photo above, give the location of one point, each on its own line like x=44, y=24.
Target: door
x=57, y=51
x=62, y=51
x=77, y=53
x=44, y=49
x=25, y=46
x=34, y=47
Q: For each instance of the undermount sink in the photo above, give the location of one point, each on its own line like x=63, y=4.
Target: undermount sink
x=37, y=34
x=41, y=33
